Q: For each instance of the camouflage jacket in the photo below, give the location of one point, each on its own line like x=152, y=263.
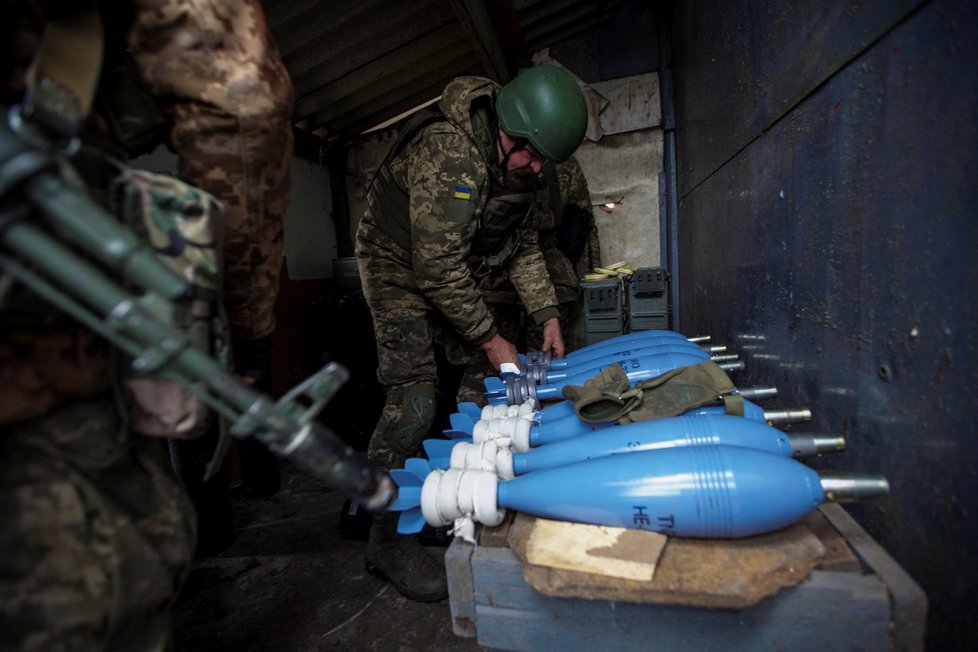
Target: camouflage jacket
x=447, y=171
x=564, y=184
x=218, y=76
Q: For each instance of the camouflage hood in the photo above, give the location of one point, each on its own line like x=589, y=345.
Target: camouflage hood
x=468, y=103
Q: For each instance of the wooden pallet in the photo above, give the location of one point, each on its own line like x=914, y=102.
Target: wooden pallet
x=858, y=597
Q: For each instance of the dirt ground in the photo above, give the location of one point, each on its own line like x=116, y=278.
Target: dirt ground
x=294, y=580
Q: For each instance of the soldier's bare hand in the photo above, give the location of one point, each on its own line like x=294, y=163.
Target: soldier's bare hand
x=499, y=350
x=553, y=339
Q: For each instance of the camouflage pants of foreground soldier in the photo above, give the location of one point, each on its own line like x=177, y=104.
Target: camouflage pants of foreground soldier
x=408, y=372
x=97, y=534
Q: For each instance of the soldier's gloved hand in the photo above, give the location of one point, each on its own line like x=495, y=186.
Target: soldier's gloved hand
x=499, y=350
x=553, y=339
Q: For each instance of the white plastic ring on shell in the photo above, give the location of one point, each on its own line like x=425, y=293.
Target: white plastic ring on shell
x=480, y=431
x=499, y=428
x=521, y=436
x=504, y=464
x=429, y=499
x=526, y=409
x=452, y=494
x=487, y=456
x=459, y=453
x=484, y=500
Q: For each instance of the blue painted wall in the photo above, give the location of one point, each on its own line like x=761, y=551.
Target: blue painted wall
x=827, y=168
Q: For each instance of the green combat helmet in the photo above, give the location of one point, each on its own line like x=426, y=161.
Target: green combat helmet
x=545, y=106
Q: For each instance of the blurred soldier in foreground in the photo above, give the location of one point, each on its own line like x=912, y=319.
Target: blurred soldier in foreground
x=451, y=204
x=219, y=79
x=97, y=532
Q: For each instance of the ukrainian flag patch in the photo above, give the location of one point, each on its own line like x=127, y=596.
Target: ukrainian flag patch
x=463, y=192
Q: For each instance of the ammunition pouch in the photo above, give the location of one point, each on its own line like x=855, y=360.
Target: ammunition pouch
x=607, y=397
x=182, y=225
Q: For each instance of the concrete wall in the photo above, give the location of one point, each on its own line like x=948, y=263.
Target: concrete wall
x=622, y=169
x=828, y=179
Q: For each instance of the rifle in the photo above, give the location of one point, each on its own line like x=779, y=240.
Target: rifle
x=74, y=254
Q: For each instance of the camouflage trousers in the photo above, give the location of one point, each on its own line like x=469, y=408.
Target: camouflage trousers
x=98, y=534
x=408, y=370
x=221, y=81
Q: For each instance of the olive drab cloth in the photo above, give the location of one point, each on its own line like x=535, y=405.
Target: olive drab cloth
x=608, y=397
x=217, y=75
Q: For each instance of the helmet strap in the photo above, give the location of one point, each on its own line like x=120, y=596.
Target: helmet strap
x=518, y=144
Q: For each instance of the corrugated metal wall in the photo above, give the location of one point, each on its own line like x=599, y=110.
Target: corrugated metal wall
x=828, y=185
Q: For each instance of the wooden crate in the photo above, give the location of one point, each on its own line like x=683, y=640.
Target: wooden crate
x=870, y=605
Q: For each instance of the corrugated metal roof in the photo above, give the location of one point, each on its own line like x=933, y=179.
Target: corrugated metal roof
x=355, y=65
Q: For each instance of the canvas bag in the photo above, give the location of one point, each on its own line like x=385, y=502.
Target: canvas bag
x=183, y=226
x=608, y=397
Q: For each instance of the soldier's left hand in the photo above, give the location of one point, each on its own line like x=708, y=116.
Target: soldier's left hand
x=553, y=339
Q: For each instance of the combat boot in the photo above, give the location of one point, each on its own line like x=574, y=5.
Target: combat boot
x=403, y=561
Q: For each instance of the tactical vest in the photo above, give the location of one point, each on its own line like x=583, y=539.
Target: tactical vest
x=497, y=237
x=551, y=204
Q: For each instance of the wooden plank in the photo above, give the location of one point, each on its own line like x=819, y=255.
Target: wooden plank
x=829, y=611
x=497, y=536
x=497, y=580
x=729, y=574
x=838, y=555
x=608, y=551
x=909, y=618
x=458, y=567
